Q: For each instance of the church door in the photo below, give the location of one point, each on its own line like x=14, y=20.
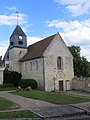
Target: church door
x=67, y=85
x=60, y=85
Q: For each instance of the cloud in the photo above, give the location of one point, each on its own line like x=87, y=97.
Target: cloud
x=11, y=8
x=76, y=7
x=86, y=52
x=3, y=48
x=33, y=39
x=74, y=33
x=12, y=19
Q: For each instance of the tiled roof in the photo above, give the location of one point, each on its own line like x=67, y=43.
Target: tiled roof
x=18, y=31
x=36, y=50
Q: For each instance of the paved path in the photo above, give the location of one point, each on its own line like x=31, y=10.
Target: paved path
x=45, y=109
x=85, y=105
x=26, y=103
x=79, y=93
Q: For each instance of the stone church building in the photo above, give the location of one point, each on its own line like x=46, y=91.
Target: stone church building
x=48, y=61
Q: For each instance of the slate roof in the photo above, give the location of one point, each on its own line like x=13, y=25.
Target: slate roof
x=18, y=31
x=36, y=50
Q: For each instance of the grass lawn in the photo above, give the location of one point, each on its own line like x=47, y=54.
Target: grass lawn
x=17, y=114
x=5, y=104
x=57, y=98
x=7, y=89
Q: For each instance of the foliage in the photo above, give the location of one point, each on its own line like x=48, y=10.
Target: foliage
x=19, y=89
x=57, y=98
x=80, y=63
x=24, y=83
x=12, y=77
x=28, y=88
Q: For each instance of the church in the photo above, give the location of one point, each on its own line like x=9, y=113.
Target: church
x=48, y=61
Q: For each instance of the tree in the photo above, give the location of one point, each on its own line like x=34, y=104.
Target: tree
x=80, y=62
x=12, y=77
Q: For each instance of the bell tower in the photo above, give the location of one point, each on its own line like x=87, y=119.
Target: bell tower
x=18, y=38
x=17, y=48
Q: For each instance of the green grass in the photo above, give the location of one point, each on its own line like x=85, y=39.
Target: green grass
x=57, y=98
x=5, y=104
x=17, y=114
x=7, y=89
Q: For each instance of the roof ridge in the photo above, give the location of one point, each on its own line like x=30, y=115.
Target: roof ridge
x=37, y=49
x=42, y=39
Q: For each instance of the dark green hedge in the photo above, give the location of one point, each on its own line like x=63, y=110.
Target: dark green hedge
x=24, y=83
x=12, y=77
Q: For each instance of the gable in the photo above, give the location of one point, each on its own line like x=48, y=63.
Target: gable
x=57, y=46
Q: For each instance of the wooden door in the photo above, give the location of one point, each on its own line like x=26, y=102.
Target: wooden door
x=60, y=85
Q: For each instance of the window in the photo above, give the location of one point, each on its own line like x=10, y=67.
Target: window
x=25, y=66
x=7, y=66
x=20, y=42
x=36, y=65
x=59, y=63
x=30, y=66
x=11, y=43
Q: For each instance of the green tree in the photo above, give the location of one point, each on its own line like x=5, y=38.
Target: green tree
x=12, y=77
x=80, y=62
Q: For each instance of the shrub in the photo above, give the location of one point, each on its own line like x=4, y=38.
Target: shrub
x=19, y=89
x=12, y=77
x=24, y=83
x=28, y=88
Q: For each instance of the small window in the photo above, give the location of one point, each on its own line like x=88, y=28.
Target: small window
x=20, y=42
x=7, y=66
x=30, y=66
x=11, y=43
x=25, y=66
x=59, y=63
x=36, y=65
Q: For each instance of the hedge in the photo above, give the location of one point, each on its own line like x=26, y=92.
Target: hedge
x=24, y=83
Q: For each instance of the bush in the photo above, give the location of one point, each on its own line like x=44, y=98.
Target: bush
x=12, y=77
x=28, y=88
x=24, y=83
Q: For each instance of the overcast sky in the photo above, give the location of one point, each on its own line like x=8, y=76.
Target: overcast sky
x=42, y=18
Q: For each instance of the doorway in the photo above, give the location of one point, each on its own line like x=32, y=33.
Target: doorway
x=60, y=85
x=67, y=85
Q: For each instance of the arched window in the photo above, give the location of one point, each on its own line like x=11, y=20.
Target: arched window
x=59, y=63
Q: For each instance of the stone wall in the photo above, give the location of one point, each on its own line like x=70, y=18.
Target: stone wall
x=14, y=55
x=57, y=48
x=29, y=69
x=81, y=84
x=1, y=75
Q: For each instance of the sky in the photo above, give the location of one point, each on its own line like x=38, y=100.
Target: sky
x=42, y=18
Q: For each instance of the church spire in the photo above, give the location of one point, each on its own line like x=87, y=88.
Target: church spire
x=18, y=31
x=18, y=38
